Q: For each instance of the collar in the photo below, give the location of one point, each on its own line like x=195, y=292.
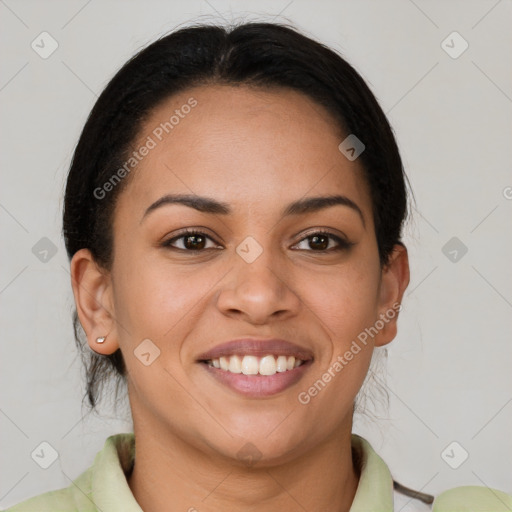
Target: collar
x=375, y=488
x=112, y=493
x=110, y=489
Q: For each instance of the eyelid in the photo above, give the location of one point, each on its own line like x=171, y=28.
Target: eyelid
x=342, y=241
x=200, y=230
x=324, y=231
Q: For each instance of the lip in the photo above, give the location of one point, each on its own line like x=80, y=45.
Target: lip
x=257, y=386
x=258, y=348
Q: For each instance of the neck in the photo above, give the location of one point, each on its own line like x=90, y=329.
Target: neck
x=170, y=474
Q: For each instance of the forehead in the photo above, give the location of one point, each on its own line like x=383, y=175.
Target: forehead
x=249, y=147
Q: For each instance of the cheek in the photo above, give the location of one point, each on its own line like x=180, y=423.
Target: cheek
x=154, y=295
x=350, y=307
x=347, y=300
x=346, y=303
x=161, y=300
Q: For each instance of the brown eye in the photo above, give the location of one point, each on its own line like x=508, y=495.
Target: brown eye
x=190, y=241
x=320, y=241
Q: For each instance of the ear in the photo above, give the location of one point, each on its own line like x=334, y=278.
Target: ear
x=394, y=280
x=92, y=290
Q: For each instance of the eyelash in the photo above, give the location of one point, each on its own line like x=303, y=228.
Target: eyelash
x=342, y=244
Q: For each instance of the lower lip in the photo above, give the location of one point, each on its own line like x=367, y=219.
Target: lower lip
x=258, y=386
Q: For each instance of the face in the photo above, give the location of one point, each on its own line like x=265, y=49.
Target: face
x=252, y=268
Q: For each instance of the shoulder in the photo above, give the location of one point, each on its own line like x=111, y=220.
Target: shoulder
x=73, y=498
x=473, y=498
x=458, y=499
x=102, y=483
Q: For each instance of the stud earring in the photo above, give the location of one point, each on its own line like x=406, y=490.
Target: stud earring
x=101, y=339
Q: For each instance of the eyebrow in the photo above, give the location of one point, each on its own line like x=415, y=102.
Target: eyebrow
x=212, y=206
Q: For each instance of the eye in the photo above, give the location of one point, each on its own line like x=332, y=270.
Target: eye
x=191, y=241
x=320, y=241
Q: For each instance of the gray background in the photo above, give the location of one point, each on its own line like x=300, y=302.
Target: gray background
x=448, y=369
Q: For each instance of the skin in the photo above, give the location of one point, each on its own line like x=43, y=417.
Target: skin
x=257, y=150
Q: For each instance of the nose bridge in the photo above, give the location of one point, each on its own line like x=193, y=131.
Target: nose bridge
x=259, y=261
x=257, y=289
x=250, y=250
x=258, y=243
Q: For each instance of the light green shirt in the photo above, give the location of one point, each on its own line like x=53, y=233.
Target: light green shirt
x=104, y=488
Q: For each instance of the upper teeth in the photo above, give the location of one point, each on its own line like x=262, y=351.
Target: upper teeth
x=252, y=365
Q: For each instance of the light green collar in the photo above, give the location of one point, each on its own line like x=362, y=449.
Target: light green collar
x=112, y=493
x=110, y=488
x=375, y=489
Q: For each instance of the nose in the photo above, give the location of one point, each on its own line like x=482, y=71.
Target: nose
x=259, y=292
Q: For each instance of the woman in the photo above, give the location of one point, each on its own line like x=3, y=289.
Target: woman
x=233, y=217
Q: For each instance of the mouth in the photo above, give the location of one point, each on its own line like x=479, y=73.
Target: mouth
x=257, y=368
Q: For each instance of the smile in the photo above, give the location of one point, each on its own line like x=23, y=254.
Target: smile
x=252, y=365
x=257, y=368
